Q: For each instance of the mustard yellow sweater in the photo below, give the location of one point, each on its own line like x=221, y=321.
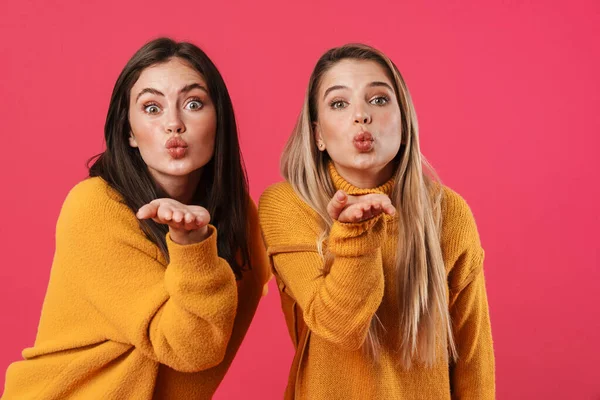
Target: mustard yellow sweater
x=118, y=322
x=338, y=307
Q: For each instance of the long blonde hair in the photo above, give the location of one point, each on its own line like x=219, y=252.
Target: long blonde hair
x=421, y=274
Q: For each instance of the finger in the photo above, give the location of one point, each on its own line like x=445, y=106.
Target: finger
x=366, y=206
x=165, y=213
x=386, y=205
x=176, y=225
x=189, y=217
x=379, y=206
x=147, y=211
x=370, y=213
x=337, y=204
x=358, y=214
x=373, y=210
x=201, y=218
x=177, y=216
x=389, y=209
x=190, y=226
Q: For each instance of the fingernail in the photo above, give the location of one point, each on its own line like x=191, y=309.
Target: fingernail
x=340, y=195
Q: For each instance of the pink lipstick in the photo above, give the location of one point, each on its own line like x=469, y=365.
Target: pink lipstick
x=176, y=147
x=363, y=142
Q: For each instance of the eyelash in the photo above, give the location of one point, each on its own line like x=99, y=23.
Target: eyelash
x=197, y=100
x=153, y=104
x=387, y=100
x=150, y=104
x=336, y=101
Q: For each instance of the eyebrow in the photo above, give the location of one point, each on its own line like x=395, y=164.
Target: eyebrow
x=184, y=89
x=372, y=84
x=332, y=88
x=379, y=84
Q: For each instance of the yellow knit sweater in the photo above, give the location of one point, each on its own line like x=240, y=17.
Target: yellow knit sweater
x=118, y=322
x=337, y=307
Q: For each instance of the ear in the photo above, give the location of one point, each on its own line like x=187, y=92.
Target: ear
x=132, y=141
x=318, y=137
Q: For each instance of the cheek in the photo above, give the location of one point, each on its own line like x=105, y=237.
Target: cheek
x=145, y=139
x=391, y=124
x=203, y=129
x=135, y=122
x=145, y=131
x=333, y=127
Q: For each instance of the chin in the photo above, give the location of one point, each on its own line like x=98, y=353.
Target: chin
x=366, y=161
x=184, y=166
x=180, y=169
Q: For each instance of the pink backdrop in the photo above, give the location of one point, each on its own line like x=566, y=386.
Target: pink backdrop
x=508, y=103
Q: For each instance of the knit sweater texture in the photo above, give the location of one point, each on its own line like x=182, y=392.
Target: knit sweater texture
x=119, y=322
x=337, y=307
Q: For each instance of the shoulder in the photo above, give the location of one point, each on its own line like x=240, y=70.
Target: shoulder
x=460, y=242
x=457, y=220
x=455, y=209
x=92, y=193
x=93, y=205
x=277, y=194
x=282, y=198
x=285, y=217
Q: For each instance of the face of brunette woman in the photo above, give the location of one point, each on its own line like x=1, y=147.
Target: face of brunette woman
x=173, y=120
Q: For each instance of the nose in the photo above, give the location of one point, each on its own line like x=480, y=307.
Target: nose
x=362, y=116
x=174, y=123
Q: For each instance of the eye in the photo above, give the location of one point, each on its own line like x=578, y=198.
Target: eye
x=151, y=108
x=338, y=104
x=380, y=101
x=194, y=105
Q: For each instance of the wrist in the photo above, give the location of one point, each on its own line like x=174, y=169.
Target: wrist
x=183, y=237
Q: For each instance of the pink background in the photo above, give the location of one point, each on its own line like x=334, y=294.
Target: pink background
x=508, y=104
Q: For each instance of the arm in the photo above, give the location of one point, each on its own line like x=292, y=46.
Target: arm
x=472, y=375
x=180, y=314
x=337, y=306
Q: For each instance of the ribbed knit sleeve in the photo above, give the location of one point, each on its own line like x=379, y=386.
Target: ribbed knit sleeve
x=339, y=305
x=472, y=376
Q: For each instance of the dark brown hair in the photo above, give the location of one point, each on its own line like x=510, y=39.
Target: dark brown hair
x=223, y=189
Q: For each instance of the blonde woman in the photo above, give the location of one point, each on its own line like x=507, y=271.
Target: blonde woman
x=379, y=266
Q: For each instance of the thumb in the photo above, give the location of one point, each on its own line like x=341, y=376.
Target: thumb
x=337, y=204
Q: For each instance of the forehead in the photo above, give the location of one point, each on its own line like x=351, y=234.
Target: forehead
x=355, y=74
x=173, y=73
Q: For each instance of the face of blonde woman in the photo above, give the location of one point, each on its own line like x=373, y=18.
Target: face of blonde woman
x=359, y=121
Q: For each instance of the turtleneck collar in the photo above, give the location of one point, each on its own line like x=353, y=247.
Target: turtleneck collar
x=341, y=183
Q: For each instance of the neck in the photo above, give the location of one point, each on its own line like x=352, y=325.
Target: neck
x=180, y=188
x=366, y=178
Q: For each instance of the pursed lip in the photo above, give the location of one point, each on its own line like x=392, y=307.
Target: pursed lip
x=364, y=142
x=363, y=137
x=175, y=142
